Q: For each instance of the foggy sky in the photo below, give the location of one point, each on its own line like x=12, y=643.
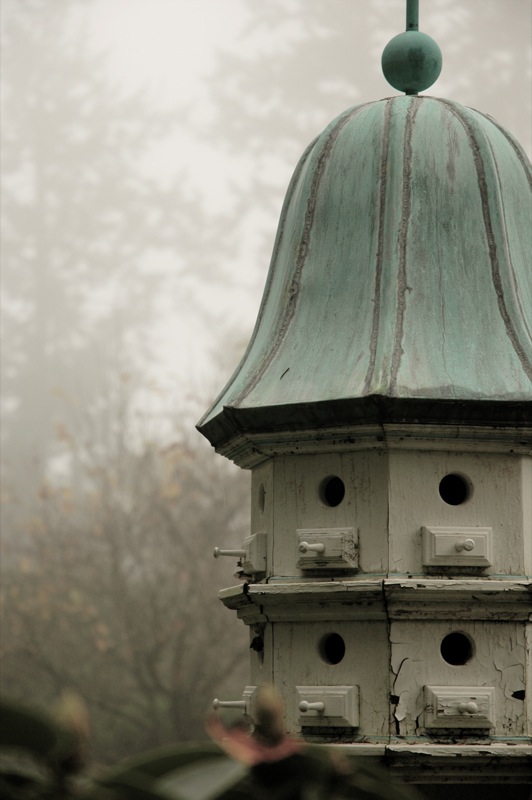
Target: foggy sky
x=244, y=86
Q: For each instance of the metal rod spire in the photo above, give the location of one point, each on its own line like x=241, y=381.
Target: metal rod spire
x=412, y=15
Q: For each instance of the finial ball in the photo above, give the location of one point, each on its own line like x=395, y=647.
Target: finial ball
x=411, y=62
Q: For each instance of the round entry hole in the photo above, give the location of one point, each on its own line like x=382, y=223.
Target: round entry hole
x=456, y=648
x=332, y=648
x=454, y=489
x=332, y=491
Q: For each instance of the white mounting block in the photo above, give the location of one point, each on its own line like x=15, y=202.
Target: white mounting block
x=328, y=548
x=459, y=707
x=328, y=706
x=254, y=560
x=456, y=547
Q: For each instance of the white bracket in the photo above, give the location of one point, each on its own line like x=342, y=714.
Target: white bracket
x=459, y=707
x=252, y=556
x=328, y=706
x=456, y=547
x=327, y=548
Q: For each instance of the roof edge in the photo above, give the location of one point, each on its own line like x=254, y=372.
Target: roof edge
x=249, y=435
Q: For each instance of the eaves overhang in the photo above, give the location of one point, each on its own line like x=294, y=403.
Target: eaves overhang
x=381, y=598
x=249, y=436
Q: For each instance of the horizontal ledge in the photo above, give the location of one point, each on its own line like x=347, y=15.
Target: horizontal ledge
x=499, y=750
x=250, y=450
x=464, y=599
x=388, y=598
x=409, y=750
x=439, y=763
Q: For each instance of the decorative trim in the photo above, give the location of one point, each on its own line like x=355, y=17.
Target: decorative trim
x=440, y=763
x=381, y=599
x=249, y=448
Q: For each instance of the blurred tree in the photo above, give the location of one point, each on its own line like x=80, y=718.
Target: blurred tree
x=108, y=580
x=88, y=234
x=109, y=591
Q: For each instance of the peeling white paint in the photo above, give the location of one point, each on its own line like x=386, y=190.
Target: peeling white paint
x=394, y=613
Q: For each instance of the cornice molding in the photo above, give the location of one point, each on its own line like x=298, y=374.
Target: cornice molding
x=381, y=599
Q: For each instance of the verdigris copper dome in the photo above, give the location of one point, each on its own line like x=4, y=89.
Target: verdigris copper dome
x=400, y=280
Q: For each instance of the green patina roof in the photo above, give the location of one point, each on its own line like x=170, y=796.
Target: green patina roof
x=401, y=275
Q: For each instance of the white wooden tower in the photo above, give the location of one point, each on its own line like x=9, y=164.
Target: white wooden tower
x=384, y=407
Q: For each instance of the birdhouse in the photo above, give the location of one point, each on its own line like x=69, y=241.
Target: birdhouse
x=384, y=408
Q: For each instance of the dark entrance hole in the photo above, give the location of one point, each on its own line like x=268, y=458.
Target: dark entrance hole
x=454, y=489
x=456, y=648
x=332, y=491
x=332, y=648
